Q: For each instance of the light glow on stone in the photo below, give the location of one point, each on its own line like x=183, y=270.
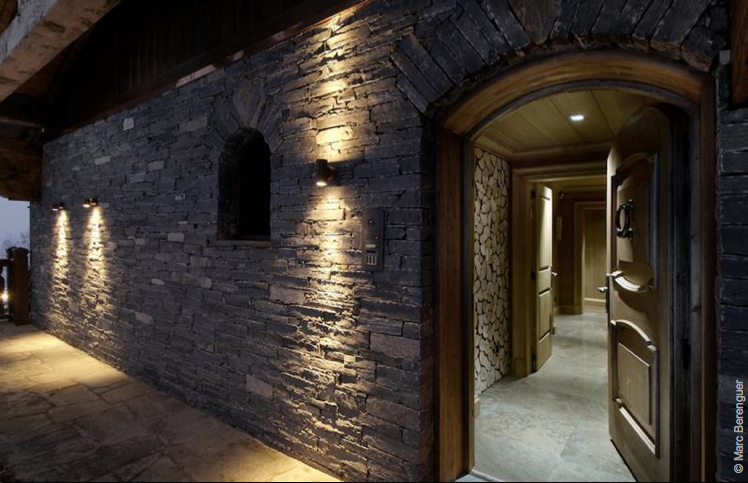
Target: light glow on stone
x=62, y=251
x=97, y=276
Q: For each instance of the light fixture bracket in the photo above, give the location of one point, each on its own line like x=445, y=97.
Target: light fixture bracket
x=324, y=173
x=90, y=202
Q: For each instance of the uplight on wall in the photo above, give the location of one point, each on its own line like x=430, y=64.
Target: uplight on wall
x=577, y=117
x=90, y=203
x=58, y=207
x=324, y=174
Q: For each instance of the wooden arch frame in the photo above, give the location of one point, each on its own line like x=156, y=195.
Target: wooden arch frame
x=456, y=130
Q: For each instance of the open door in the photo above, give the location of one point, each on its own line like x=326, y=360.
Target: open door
x=640, y=249
x=543, y=274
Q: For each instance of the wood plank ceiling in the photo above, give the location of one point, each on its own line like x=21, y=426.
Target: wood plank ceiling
x=543, y=129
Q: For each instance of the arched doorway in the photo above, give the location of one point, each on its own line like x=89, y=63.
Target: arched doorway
x=459, y=128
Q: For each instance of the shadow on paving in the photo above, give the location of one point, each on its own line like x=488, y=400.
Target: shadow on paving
x=68, y=417
x=6, y=476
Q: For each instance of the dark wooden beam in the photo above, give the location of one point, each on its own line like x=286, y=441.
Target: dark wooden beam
x=739, y=17
x=23, y=111
x=20, y=170
x=41, y=30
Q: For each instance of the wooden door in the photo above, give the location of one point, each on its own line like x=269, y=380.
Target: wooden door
x=543, y=273
x=640, y=178
x=594, y=257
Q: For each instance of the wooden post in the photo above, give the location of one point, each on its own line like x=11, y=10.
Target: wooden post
x=18, y=286
x=451, y=358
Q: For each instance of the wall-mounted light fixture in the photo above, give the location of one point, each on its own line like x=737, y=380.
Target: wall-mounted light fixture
x=577, y=117
x=90, y=203
x=58, y=207
x=325, y=174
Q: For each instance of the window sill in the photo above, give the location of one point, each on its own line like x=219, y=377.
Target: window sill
x=244, y=243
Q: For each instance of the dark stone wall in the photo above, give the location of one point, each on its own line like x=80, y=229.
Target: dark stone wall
x=732, y=266
x=291, y=340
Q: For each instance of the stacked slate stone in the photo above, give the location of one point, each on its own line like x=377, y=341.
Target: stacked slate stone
x=292, y=340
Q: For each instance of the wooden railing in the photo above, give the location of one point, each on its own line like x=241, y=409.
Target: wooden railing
x=14, y=282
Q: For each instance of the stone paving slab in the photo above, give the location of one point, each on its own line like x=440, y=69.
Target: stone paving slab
x=64, y=416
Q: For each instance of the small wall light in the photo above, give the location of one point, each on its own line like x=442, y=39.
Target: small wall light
x=58, y=207
x=90, y=203
x=577, y=117
x=324, y=173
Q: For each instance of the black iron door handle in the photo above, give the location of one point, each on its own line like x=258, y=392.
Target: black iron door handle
x=623, y=227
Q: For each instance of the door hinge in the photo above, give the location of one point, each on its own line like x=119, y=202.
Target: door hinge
x=686, y=355
x=533, y=194
x=533, y=275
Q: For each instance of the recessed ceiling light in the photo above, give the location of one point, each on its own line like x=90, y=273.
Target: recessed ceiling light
x=577, y=117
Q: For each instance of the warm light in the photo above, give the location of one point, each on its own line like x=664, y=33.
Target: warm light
x=96, y=271
x=5, y=297
x=58, y=207
x=577, y=117
x=324, y=174
x=90, y=203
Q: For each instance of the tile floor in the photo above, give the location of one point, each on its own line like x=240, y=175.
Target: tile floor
x=64, y=416
x=553, y=425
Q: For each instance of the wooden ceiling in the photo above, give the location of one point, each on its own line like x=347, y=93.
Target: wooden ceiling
x=588, y=184
x=543, y=129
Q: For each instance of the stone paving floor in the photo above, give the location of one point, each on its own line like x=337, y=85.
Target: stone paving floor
x=65, y=416
x=553, y=425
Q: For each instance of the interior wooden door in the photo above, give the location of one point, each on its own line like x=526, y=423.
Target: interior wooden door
x=639, y=169
x=543, y=273
x=594, y=257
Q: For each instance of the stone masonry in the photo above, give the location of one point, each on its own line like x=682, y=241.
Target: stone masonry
x=291, y=340
x=491, y=273
x=732, y=259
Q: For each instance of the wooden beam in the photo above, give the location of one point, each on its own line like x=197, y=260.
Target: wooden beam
x=41, y=30
x=739, y=17
x=20, y=170
x=22, y=111
x=452, y=374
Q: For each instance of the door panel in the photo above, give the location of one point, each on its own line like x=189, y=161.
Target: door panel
x=543, y=274
x=640, y=298
x=635, y=386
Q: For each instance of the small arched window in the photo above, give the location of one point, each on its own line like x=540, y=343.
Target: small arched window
x=244, y=192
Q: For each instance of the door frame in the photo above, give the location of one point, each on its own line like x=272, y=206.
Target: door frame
x=580, y=207
x=456, y=132
x=522, y=285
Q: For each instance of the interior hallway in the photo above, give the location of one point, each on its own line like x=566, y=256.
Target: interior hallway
x=553, y=425
x=68, y=417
